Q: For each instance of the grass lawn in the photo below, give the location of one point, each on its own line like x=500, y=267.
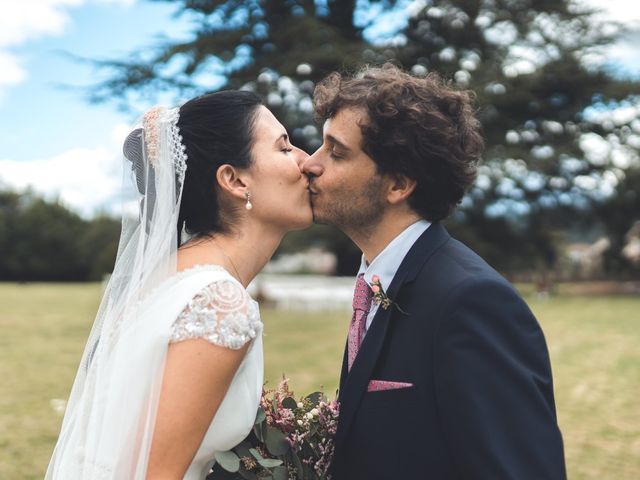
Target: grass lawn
x=593, y=342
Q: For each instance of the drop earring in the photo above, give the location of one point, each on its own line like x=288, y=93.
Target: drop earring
x=248, y=205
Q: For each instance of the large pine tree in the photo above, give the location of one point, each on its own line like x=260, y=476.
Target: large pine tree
x=553, y=148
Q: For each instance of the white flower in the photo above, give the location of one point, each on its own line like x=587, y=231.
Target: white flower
x=300, y=422
x=314, y=412
x=309, y=415
x=300, y=405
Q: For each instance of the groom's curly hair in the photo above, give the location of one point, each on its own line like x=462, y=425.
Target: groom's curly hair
x=420, y=127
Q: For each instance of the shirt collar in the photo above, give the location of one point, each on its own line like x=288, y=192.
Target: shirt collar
x=387, y=262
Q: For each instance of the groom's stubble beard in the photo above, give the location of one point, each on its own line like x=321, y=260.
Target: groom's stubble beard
x=353, y=211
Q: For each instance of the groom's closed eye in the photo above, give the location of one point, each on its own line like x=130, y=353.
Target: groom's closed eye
x=337, y=149
x=335, y=154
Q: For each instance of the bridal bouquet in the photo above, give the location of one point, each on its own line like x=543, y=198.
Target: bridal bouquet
x=290, y=440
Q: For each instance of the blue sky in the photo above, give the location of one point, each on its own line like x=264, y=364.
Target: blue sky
x=39, y=116
x=51, y=138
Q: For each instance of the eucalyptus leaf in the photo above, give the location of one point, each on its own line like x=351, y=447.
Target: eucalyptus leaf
x=315, y=398
x=228, y=460
x=308, y=471
x=298, y=465
x=260, y=416
x=258, y=430
x=247, y=475
x=256, y=454
x=242, y=450
x=270, y=462
x=289, y=403
x=276, y=441
x=220, y=473
x=280, y=473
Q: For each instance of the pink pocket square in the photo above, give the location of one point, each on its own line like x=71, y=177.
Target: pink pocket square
x=380, y=385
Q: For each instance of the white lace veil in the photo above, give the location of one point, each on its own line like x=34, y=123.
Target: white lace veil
x=107, y=427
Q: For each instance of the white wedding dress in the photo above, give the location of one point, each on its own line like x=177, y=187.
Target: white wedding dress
x=207, y=302
x=221, y=312
x=112, y=440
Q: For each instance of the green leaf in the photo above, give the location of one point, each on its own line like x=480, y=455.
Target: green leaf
x=220, y=473
x=228, y=460
x=256, y=454
x=280, y=473
x=308, y=471
x=259, y=431
x=276, y=441
x=315, y=398
x=260, y=416
x=247, y=475
x=270, y=462
x=242, y=450
x=289, y=403
x=298, y=465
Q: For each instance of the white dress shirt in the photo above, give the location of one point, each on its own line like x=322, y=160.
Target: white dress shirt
x=386, y=264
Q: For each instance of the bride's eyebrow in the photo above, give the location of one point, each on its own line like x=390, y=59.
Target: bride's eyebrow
x=284, y=137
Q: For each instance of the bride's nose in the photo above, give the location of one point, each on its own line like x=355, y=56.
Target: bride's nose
x=300, y=156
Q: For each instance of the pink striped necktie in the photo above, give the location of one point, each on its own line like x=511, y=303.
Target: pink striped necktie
x=362, y=297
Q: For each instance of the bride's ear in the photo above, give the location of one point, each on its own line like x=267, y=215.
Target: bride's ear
x=232, y=181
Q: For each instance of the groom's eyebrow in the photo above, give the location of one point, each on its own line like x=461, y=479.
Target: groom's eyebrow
x=333, y=140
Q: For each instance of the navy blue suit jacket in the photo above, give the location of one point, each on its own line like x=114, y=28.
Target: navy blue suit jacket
x=481, y=405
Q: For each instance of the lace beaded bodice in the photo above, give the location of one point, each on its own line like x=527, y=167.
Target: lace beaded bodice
x=221, y=313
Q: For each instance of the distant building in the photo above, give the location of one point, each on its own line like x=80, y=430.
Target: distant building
x=631, y=249
x=313, y=260
x=586, y=259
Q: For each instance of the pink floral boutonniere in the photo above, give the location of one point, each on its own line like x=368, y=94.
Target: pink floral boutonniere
x=381, y=297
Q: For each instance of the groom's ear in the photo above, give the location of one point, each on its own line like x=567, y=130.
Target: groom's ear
x=399, y=189
x=231, y=180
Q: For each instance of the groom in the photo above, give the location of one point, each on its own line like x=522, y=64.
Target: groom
x=446, y=373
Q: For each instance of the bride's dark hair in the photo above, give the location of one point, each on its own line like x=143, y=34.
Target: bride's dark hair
x=216, y=129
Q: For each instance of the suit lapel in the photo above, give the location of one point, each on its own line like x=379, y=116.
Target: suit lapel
x=354, y=384
x=345, y=367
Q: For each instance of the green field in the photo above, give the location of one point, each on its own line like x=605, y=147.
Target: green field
x=594, y=343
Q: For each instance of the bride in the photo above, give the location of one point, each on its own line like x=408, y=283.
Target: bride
x=172, y=371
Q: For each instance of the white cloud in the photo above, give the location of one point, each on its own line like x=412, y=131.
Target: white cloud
x=125, y=3
x=622, y=11
x=11, y=72
x=30, y=19
x=23, y=21
x=85, y=179
x=26, y=20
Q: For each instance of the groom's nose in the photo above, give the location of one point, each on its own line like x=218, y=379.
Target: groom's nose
x=312, y=167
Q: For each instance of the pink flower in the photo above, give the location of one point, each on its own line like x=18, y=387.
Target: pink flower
x=375, y=288
x=375, y=279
